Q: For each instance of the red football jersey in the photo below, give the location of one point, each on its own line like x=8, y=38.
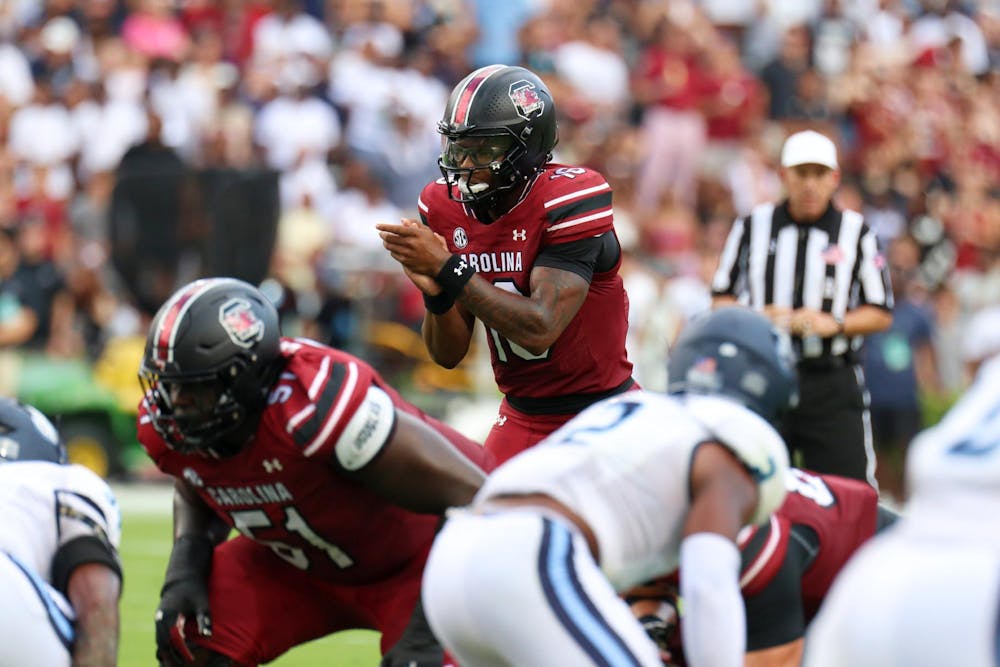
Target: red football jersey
x=287, y=489
x=844, y=514
x=563, y=204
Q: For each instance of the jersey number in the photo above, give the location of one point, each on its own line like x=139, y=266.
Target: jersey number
x=502, y=344
x=811, y=487
x=247, y=520
x=986, y=437
x=619, y=412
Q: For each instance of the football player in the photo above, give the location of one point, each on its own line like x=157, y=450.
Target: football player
x=628, y=490
x=332, y=480
x=60, y=575
x=787, y=566
x=884, y=610
x=526, y=246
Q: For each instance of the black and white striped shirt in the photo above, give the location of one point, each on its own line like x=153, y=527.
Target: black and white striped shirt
x=833, y=265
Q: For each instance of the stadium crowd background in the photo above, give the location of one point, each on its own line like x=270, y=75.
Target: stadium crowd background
x=682, y=105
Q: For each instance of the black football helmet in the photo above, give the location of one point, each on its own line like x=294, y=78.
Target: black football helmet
x=738, y=353
x=27, y=435
x=212, y=354
x=510, y=114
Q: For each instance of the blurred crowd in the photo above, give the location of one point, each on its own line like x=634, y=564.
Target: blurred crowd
x=682, y=105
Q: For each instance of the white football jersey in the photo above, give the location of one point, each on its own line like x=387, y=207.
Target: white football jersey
x=623, y=466
x=953, y=469
x=927, y=591
x=46, y=505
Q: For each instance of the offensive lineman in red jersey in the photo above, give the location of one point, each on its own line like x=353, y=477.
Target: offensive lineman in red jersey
x=524, y=245
x=331, y=478
x=788, y=564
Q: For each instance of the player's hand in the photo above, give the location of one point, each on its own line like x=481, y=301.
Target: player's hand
x=659, y=619
x=184, y=597
x=415, y=246
x=181, y=600
x=425, y=284
x=654, y=605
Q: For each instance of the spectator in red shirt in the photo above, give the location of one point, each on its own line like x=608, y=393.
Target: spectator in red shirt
x=673, y=130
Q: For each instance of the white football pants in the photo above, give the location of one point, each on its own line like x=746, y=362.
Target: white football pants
x=519, y=589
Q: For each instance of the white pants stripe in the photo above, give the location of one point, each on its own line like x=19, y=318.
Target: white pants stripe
x=571, y=605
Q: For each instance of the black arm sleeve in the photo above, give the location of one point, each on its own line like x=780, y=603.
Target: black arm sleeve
x=584, y=257
x=82, y=550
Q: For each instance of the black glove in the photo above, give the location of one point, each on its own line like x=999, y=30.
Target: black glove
x=184, y=595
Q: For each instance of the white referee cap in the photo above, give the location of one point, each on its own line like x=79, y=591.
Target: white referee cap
x=809, y=147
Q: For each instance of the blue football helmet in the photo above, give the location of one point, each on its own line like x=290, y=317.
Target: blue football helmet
x=27, y=435
x=738, y=353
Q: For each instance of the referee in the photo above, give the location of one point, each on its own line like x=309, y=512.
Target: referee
x=817, y=272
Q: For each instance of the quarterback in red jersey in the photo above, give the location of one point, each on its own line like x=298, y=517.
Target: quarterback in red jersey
x=332, y=480
x=526, y=246
x=789, y=563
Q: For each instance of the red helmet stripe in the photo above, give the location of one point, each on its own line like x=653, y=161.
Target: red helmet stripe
x=172, y=316
x=460, y=115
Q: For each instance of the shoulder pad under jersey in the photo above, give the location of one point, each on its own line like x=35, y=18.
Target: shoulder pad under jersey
x=753, y=440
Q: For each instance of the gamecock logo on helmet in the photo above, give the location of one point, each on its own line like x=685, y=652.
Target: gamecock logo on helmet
x=240, y=322
x=526, y=99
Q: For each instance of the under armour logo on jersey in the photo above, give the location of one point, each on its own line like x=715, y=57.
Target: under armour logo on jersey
x=272, y=465
x=501, y=420
x=460, y=269
x=520, y=234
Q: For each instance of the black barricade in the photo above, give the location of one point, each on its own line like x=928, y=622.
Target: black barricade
x=170, y=224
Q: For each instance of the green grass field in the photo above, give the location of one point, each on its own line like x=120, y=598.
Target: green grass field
x=145, y=549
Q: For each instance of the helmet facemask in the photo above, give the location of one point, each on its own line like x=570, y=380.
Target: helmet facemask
x=477, y=167
x=198, y=415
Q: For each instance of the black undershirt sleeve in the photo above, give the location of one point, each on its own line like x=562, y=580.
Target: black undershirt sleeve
x=585, y=257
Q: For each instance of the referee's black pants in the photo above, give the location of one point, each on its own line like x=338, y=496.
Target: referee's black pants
x=830, y=431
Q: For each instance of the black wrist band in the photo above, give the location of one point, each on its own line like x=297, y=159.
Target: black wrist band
x=454, y=275
x=439, y=304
